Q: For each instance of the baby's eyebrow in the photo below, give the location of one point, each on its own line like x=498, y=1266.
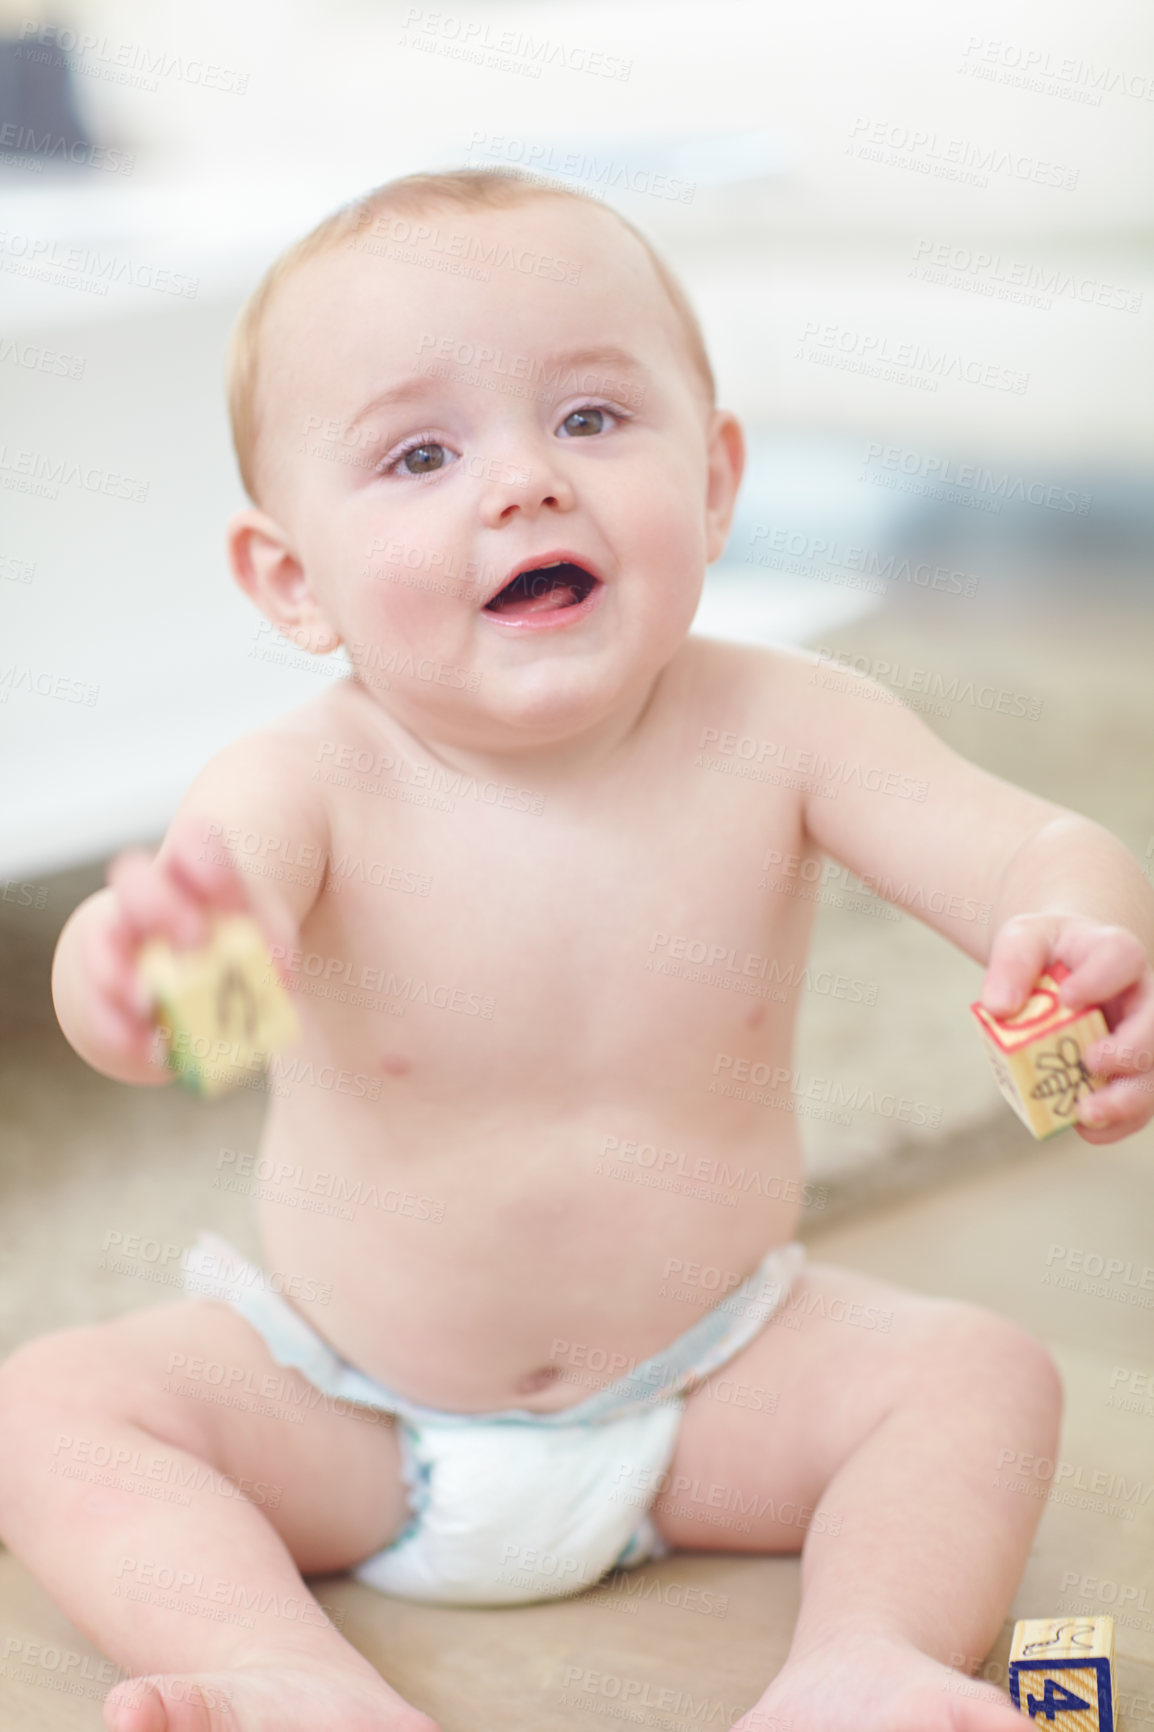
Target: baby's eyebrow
x=599, y=356
x=550, y=369
x=406, y=392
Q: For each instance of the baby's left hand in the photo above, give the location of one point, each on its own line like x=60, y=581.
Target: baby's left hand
x=1108, y=967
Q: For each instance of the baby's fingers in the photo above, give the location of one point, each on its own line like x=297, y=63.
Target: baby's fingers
x=203, y=866
x=153, y=904
x=1018, y=954
x=110, y=951
x=209, y=871
x=1103, y=962
x=123, y=1032
x=120, y=1006
x=1118, y=1110
x=1128, y=1049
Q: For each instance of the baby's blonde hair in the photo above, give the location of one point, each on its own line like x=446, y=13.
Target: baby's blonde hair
x=411, y=195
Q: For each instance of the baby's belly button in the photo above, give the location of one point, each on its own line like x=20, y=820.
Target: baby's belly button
x=539, y=1379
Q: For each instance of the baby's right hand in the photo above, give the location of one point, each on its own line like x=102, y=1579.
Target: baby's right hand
x=170, y=898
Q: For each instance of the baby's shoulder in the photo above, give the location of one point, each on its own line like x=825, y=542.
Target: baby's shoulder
x=287, y=737
x=272, y=769
x=733, y=687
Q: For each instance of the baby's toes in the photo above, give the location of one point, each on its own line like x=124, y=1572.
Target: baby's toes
x=261, y=1699
x=169, y=1704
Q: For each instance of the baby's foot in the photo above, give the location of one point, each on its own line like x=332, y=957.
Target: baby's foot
x=263, y=1697
x=878, y=1685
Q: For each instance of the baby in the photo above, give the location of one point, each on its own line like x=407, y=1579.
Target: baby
x=477, y=422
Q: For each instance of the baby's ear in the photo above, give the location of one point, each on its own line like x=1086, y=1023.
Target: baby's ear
x=726, y=456
x=266, y=567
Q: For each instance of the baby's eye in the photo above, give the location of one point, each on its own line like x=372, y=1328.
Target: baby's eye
x=584, y=421
x=419, y=457
x=422, y=459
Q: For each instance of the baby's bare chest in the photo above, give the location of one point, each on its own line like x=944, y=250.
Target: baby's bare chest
x=467, y=937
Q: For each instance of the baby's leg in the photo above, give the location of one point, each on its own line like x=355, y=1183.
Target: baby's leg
x=886, y=1453
x=199, y=1585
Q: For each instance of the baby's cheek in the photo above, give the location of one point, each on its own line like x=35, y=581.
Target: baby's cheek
x=389, y=605
x=677, y=537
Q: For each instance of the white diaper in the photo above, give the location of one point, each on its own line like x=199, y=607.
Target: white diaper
x=504, y=1513
x=515, y=1506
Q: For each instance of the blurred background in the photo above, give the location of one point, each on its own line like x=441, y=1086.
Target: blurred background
x=919, y=239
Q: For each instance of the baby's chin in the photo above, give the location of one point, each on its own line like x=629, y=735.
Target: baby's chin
x=555, y=699
x=547, y=704
x=542, y=704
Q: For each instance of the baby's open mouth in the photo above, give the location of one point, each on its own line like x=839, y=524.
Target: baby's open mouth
x=543, y=589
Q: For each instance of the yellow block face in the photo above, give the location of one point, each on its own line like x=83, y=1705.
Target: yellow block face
x=1051, y=1075
x=1038, y=1057
x=223, y=1007
x=1062, y=1673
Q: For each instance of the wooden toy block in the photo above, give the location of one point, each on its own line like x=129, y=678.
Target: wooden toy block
x=1062, y=1672
x=1037, y=1054
x=222, y=1008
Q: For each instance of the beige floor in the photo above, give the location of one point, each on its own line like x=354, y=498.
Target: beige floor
x=989, y=1239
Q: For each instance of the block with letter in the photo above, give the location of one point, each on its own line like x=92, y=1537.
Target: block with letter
x=1062, y=1672
x=222, y=1007
x=1037, y=1054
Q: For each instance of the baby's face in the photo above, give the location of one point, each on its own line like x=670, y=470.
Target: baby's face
x=428, y=438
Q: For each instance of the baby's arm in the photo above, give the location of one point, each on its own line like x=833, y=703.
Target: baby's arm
x=1058, y=886
x=256, y=785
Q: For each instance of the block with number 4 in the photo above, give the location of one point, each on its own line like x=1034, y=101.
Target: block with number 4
x=1038, y=1054
x=1062, y=1672
x=222, y=1008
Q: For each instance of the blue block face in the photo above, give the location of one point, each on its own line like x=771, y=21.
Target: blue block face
x=1064, y=1695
